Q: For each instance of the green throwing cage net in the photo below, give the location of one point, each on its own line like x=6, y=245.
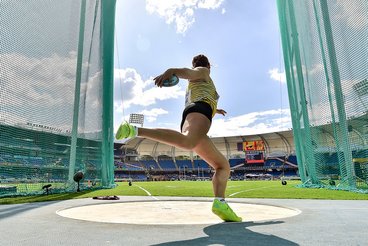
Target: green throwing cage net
x=325, y=47
x=56, y=95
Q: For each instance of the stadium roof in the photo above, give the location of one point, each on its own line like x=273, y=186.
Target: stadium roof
x=276, y=144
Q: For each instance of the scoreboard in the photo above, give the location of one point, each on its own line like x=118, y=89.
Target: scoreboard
x=254, y=151
x=253, y=145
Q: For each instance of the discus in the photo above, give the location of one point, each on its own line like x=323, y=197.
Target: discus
x=174, y=80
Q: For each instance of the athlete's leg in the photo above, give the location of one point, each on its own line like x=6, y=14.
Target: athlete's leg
x=208, y=152
x=195, y=128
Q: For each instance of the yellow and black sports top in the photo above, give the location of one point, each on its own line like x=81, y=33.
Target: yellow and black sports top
x=202, y=91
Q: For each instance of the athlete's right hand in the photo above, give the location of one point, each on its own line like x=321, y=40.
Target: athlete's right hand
x=160, y=78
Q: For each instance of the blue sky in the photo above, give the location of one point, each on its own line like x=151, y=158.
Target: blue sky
x=241, y=39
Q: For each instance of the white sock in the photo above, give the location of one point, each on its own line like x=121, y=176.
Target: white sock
x=221, y=199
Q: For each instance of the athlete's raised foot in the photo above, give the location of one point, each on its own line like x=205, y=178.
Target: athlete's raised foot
x=126, y=130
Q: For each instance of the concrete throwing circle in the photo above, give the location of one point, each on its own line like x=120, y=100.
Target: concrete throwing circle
x=171, y=212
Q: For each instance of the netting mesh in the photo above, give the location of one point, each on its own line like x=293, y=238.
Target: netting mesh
x=326, y=63
x=53, y=88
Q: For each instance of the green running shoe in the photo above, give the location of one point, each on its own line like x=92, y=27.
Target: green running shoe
x=126, y=130
x=223, y=210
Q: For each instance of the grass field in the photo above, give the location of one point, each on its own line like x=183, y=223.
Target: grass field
x=235, y=189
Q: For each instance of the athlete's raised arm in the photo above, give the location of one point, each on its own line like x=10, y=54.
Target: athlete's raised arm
x=191, y=74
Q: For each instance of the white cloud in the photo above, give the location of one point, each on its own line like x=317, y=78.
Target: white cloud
x=353, y=13
x=209, y=4
x=247, y=124
x=151, y=115
x=41, y=91
x=181, y=12
x=355, y=104
x=131, y=89
x=316, y=69
x=251, y=123
x=275, y=74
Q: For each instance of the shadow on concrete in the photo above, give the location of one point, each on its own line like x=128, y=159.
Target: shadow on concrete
x=235, y=234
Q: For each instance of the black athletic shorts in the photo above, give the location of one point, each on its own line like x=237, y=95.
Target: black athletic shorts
x=198, y=107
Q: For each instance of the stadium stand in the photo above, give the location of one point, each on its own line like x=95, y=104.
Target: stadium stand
x=184, y=163
x=200, y=164
x=136, y=159
x=167, y=164
x=151, y=164
x=236, y=162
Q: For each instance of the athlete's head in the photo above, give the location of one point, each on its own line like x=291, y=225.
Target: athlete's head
x=201, y=61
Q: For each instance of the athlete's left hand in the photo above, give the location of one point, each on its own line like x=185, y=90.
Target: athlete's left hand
x=221, y=111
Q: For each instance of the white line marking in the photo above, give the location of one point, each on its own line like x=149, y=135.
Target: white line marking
x=149, y=194
x=249, y=190
x=234, y=186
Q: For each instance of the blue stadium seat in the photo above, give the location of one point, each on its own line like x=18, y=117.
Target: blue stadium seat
x=200, y=164
x=184, y=163
x=292, y=159
x=273, y=163
x=167, y=164
x=150, y=164
x=237, y=161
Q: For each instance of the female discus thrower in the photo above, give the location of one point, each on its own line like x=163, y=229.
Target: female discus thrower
x=200, y=108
